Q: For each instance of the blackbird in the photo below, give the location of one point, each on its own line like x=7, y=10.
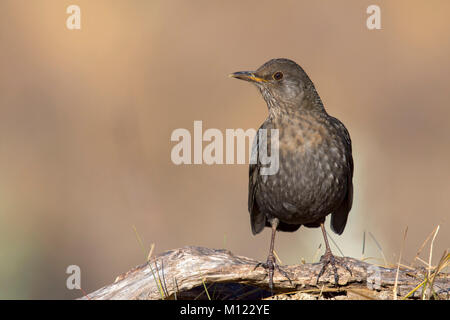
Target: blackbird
x=315, y=170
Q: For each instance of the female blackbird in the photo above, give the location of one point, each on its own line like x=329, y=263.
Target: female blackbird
x=315, y=169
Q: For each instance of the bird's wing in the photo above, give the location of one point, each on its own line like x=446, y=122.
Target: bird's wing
x=340, y=215
x=257, y=218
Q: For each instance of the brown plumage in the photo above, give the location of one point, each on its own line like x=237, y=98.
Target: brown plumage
x=315, y=159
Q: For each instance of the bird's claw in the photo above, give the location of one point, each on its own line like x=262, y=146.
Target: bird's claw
x=329, y=258
x=271, y=265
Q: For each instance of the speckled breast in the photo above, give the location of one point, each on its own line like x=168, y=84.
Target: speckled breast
x=312, y=177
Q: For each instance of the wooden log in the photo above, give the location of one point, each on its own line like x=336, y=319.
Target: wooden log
x=197, y=272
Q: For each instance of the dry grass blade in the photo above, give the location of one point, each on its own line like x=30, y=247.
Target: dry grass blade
x=148, y=256
x=204, y=286
x=430, y=267
x=206, y=289
x=379, y=247
x=424, y=287
x=141, y=244
x=414, y=290
x=443, y=263
x=423, y=245
x=150, y=253
x=398, y=265
x=363, y=245
x=214, y=293
x=421, y=260
x=158, y=283
x=321, y=291
x=175, y=285
x=164, y=284
x=431, y=252
x=277, y=257
x=335, y=244
x=316, y=254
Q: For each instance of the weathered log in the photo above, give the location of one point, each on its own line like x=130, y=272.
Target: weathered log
x=196, y=272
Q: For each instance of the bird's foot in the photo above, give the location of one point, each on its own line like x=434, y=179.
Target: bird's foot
x=329, y=259
x=271, y=265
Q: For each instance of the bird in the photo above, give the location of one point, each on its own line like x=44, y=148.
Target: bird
x=315, y=162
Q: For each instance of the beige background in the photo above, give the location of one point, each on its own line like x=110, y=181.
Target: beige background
x=86, y=118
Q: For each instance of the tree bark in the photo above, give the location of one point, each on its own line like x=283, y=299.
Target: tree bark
x=203, y=273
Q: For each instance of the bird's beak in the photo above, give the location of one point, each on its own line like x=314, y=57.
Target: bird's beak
x=247, y=76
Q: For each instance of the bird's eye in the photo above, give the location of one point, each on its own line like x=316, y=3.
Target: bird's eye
x=278, y=75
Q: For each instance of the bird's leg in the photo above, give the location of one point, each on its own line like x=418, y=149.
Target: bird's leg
x=271, y=264
x=271, y=257
x=329, y=258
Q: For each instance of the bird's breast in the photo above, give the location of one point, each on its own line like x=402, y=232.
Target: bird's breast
x=312, y=175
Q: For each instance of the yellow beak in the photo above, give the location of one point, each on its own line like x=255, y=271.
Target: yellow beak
x=247, y=76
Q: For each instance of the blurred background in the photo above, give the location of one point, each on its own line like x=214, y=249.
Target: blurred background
x=86, y=118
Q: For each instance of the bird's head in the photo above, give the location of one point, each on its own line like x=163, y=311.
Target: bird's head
x=284, y=85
